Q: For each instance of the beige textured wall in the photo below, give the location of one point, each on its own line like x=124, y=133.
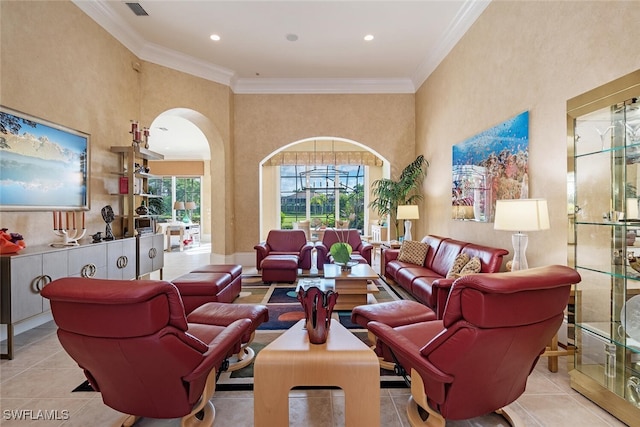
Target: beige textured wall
x=207, y=105
x=59, y=65
x=519, y=56
x=264, y=123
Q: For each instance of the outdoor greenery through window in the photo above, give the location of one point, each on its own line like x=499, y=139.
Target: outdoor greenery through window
x=172, y=189
x=322, y=194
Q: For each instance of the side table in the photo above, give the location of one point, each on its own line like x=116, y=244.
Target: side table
x=291, y=360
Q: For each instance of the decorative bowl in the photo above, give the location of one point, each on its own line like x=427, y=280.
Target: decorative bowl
x=346, y=266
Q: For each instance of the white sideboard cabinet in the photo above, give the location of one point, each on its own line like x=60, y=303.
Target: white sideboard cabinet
x=23, y=275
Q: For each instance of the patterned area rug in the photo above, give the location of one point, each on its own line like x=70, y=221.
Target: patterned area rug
x=284, y=312
x=285, y=309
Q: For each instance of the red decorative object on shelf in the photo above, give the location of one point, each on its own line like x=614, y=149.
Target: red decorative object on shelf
x=10, y=243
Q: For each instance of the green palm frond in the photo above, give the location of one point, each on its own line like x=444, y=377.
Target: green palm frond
x=389, y=194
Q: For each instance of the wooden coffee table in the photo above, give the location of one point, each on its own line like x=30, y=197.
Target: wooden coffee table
x=291, y=360
x=355, y=287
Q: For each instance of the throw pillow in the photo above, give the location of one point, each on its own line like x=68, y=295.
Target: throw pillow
x=473, y=266
x=413, y=252
x=460, y=261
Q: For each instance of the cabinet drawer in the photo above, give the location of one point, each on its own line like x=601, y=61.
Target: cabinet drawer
x=88, y=261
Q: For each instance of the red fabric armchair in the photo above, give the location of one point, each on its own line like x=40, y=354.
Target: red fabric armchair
x=138, y=349
x=476, y=360
x=361, y=250
x=285, y=242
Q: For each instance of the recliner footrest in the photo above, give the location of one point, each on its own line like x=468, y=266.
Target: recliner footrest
x=392, y=313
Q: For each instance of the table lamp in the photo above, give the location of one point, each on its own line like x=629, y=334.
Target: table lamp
x=407, y=212
x=178, y=206
x=190, y=206
x=521, y=215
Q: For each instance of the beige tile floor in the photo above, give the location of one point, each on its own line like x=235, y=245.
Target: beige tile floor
x=41, y=377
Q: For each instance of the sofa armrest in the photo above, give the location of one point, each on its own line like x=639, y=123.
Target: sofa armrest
x=390, y=254
x=441, y=289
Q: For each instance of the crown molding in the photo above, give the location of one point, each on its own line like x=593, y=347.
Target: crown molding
x=102, y=15
x=465, y=18
x=99, y=12
x=151, y=52
x=185, y=63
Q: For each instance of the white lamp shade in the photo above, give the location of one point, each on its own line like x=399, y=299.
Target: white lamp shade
x=178, y=205
x=191, y=205
x=408, y=212
x=521, y=215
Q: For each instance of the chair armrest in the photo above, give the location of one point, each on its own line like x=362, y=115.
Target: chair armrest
x=408, y=352
x=305, y=256
x=262, y=251
x=365, y=248
x=323, y=253
x=222, y=345
x=441, y=289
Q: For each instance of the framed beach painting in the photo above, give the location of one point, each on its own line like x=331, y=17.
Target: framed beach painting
x=490, y=166
x=43, y=166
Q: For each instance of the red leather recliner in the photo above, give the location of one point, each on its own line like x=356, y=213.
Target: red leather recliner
x=282, y=254
x=138, y=349
x=476, y=360
x=361, y=251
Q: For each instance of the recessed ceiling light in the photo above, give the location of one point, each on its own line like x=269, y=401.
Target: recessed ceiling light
x=215, y=37
x=368, y=37
x=292, y=37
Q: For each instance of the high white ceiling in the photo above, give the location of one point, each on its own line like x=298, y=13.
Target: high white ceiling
x=330, y=54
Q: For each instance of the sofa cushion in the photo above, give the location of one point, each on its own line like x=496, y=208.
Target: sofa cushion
x=473, y=266
x=457, y=266
x=447, y=252
x=413, y=252
x=405, y=276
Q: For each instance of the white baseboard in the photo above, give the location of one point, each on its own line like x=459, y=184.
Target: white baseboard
x=26, y=325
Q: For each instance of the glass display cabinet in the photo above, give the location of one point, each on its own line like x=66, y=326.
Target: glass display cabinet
x=604, y=243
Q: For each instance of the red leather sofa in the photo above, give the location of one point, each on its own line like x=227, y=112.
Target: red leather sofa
x=428, y=283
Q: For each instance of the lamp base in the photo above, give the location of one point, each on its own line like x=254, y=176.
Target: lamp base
x=519, y=241
x=407, y=230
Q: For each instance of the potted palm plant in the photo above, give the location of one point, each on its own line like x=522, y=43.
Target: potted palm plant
x=389, y=194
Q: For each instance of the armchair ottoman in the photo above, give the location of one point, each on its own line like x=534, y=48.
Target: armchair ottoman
x=391, y=313
x=280, y=268
x=200, y=288
x=226, y=314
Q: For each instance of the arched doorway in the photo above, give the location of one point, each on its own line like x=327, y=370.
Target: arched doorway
x=332, y=156
x=183, y=135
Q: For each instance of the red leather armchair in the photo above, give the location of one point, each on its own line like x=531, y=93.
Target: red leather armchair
x=285, y=242
x=138, y=349
x=476, y=360
x=361, y=250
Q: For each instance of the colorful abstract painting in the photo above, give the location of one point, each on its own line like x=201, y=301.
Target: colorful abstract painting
x=490, y=166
